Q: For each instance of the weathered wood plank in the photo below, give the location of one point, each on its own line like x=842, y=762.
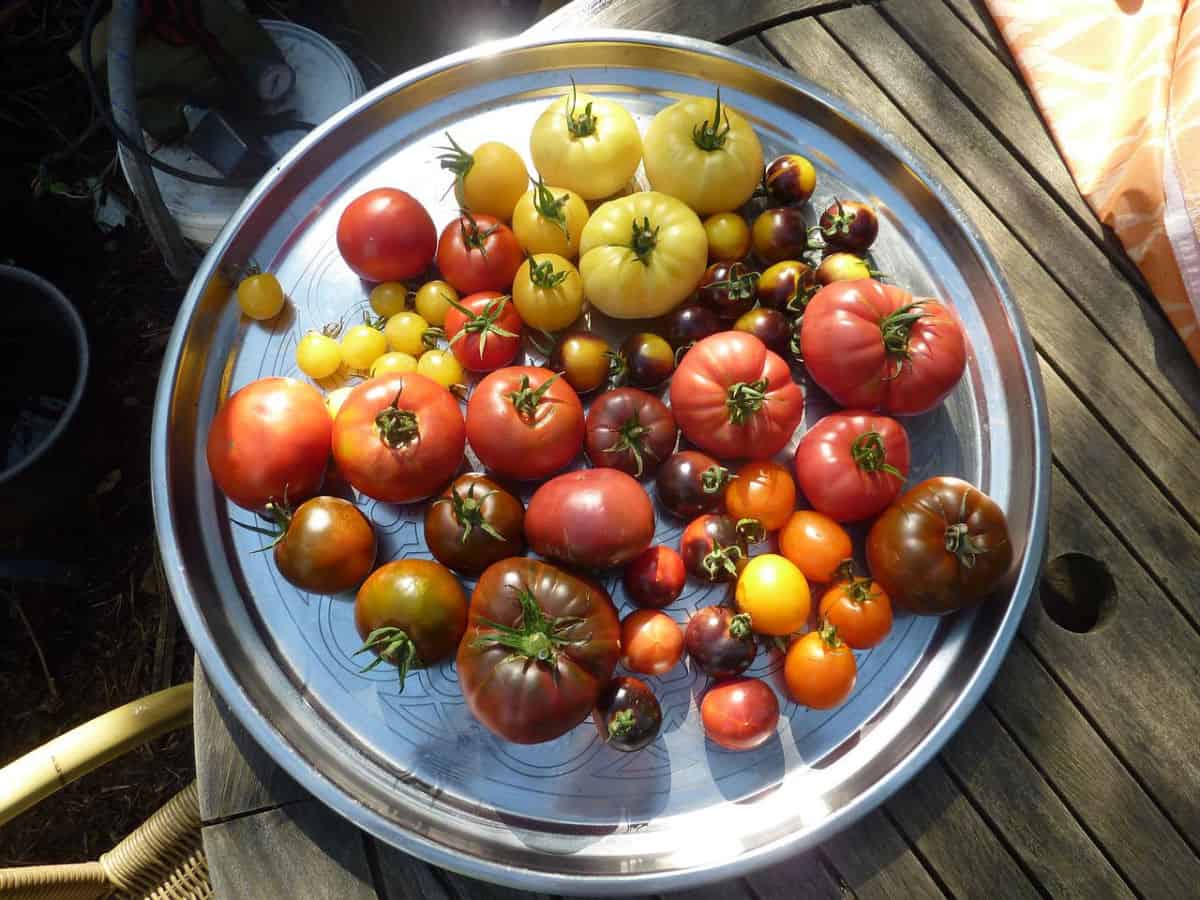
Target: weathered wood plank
x=1088, y=776
x=875, y=862
x=976, y=17
x=954, y=840
x=234, y=775
x=405, y=877
x=801, y=876
x=302, y=850
x=470, y=889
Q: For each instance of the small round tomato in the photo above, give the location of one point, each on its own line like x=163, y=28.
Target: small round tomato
x=583, y=358
x=362, y=345
x=851, y=465
x=728, y=289
x=849, y=225
x=690, y=483
x=768, y=325
x=489, y=181
x=525, y=422
x=859, y=609
x=786, y=286
x=433, y=300
x=335, y=398
x=388, y=298
x=790, y=179
x=318, y=354
x=550, y=220
x=720, y=642
x=627, y=714
x=843, y=266
x=547, y=292
x=775, y=594
x=325, y=546
x=762, y=490
x=816, y=544
x=689, y=324
x=443, y=367
x=655, y=578
x=630, y=430
x=260, y=296
x=386, y=235
x=651, y=642
x=411, y=613
x=474, y=523
x=728, y=237
x=484, y=331
x=392, y=363
x=779, y=233
x=713, y=548
x=740, y=714
x=819, y=670
x=399, y=438
x=405, y=333
x=478, y=253
x=593, y=518
x=644, y=359
x=270, y=442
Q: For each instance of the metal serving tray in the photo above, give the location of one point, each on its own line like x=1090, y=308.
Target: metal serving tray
x=572, y=815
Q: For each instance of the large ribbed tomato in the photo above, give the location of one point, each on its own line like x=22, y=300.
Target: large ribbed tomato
x=852, y=464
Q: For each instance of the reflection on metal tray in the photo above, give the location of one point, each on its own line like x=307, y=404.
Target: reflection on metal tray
x=573, y=815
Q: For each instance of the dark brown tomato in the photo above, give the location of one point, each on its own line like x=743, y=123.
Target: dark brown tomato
x=583, y=358
x=643, y=360
x=327, y=545
x=843, y=266
x=690, y=483
x=779, y=233
x=713, y=548
x=768, y=325
x=786, y=286
x=630, y=430
x=474, y=523
x=655, y=578
x=849, y=225
x=627, y=714
x=689, y=324
x=593, y=518
x=720, y=642
x=728, y=288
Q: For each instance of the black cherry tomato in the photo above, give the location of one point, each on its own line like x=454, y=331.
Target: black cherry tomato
x=627, y=714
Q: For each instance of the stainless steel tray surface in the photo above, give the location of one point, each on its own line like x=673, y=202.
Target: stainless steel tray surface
x=415, y=768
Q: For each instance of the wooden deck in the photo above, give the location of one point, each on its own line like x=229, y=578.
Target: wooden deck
x=1077, y=775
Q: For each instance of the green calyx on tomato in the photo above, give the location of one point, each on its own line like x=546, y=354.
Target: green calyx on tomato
x=632, y=437
x=473, y=237
x=622, y=724
x=741, y=627
x=840, y=222
x=829, y=634
x=393, y=645
x=895, y=329
x=483, y=323
x=858, y=588
x=712, y=136
x=468, y=513
x=550, y=207
x=740, y=285
x=743, y=399
x=714, y=479
x=869, y=454
x=643, y=239
x=960, y=543
x=526, y=400
x=543, y=274
x=538, y=637
x=579, y=124
x=397, y=426
x=751, y=530
x=280, y=516
x=721, y=559
x=455, y=159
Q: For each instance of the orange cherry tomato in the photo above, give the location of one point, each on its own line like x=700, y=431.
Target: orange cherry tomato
x=651, y=642
x=819, y=670
x=762, y=490
x=860, y=610
x=816, y=544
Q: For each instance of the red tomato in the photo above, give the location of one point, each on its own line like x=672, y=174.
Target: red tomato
x=819, y=669
x=484, y=331
x=269, y=442
x=739, y=714
x=655, y=578
x=399, y=438
x=851, y=465
x=762, y=490
x=735, y=398
x=525, y=422
x=872, y=346
x=859, y=609
x=651, y=642
x=386, y=235
x=478, y=253
x=592, y=517
x=630, y=430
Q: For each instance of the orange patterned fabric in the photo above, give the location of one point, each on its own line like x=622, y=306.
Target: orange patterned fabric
x=1118, y=83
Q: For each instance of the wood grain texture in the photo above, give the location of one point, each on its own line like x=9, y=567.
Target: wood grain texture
x=1088, y=776
x=712, y=20
x=405, y=877
x=874, y=861
x=302, y=850
x=975, y=16
x=801, y=876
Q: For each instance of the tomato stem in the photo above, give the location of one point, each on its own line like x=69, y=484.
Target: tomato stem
x=550, y=207
x=751, y=530
x=714, y=478
x=870, y=454
x=472, y=237
x=457, y=160
x=643, y=239
x=622, y=724
x=895, y=330
x=741, y=627
x=721, y=560
x=535, y=637
x=741, y=285
x=794, y=340
x=743, y=399
x=618, y=367
x=632, y=437
x=397, y=426
x=526, y=400
x=579, y=124
x=543, y=274
x=482, y=323
x=961, y=544
x=829, y=634
x=712, y=136
x=393, y=645
x=468, y=512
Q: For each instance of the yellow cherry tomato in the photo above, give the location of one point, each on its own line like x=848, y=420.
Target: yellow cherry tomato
x=432, y=301
x=335, y=398
x=550, y=220
x=548, y=292
x=491, y=180
x=260, y=296
x=389, y=298
x=586, y=144
x=774, y=592
x=318, y=355
x=442, y=366
x=362, y=345
x=406, y=332
x=728, y=237
x=704, y=153
x=394, y=362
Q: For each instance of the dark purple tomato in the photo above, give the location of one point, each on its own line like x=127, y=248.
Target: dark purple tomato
x=779, y=233
x=849, y=225
x=645, y=360
x=843, y=266
x=728, y=288
x=790, y=179
x=720, y=642
x=691, y=323
x=630, y=430
x=787, y=286
x=768, y=325
x=655, y=578
x=713, y=548
x=690, y=483
x=627, y=714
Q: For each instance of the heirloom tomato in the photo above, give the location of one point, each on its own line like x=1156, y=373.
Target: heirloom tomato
x=627, y=714
x=728, y=236
x=739, y=714
x=386, y=235
x=816, y=544
x=720, y=642
x=260, y=296
x=775, y=593
x=690, y=483
x=478, y=253
x=728, y=289
x=768, y=325
x=655, y=577
x=547, y=292
x=406, y=333
x=583, y=358
x=643, y=359
x=362, y=345
x=819, y=669
x=433, y=300
x=842, y=266
x=443, y=367
x=713, y=548
x=318, y=353
x=691, y=323
x=630, y=430
x=786, y=286
x=484, y=331
x=474, y=523
x=651, y=642
x=779, y=234
x=587, y=144
x=849, y=225
x=594, y=518
x=550, y=220
x=790, y=179
x=388, y=298
x=489, y=181
x=858, y=608
x=325, y=546
x=762, y=490
x=393, y=363
x=852, y=464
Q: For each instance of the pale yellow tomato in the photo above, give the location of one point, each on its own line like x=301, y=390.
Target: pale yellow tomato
x=549, y=220
x=362, y=345
x=335, y=398
x=442, y=366
x=406, y=333
x=641, y=255
x=490, y=180
x=728, y=237
x=432, y=301
x=548, y=292
x=587, y=144
x=392, y=363
x=389, y=298
x=318, y=354
x=704, y=153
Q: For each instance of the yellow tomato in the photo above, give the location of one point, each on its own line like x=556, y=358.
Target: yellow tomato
x=432, y=301
x=389, y=298
x=728, y=237
x=335, y=398
x=318, y=354
x=548, y=292
x=394, y=363
x=587, y=144
x=362, y=345
x=774, y=592
x=491, y=180
x=642, y=255
x=549, y=220
x=442, y=366
x=260, y=296
x=704, y=153
x=406, y=333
